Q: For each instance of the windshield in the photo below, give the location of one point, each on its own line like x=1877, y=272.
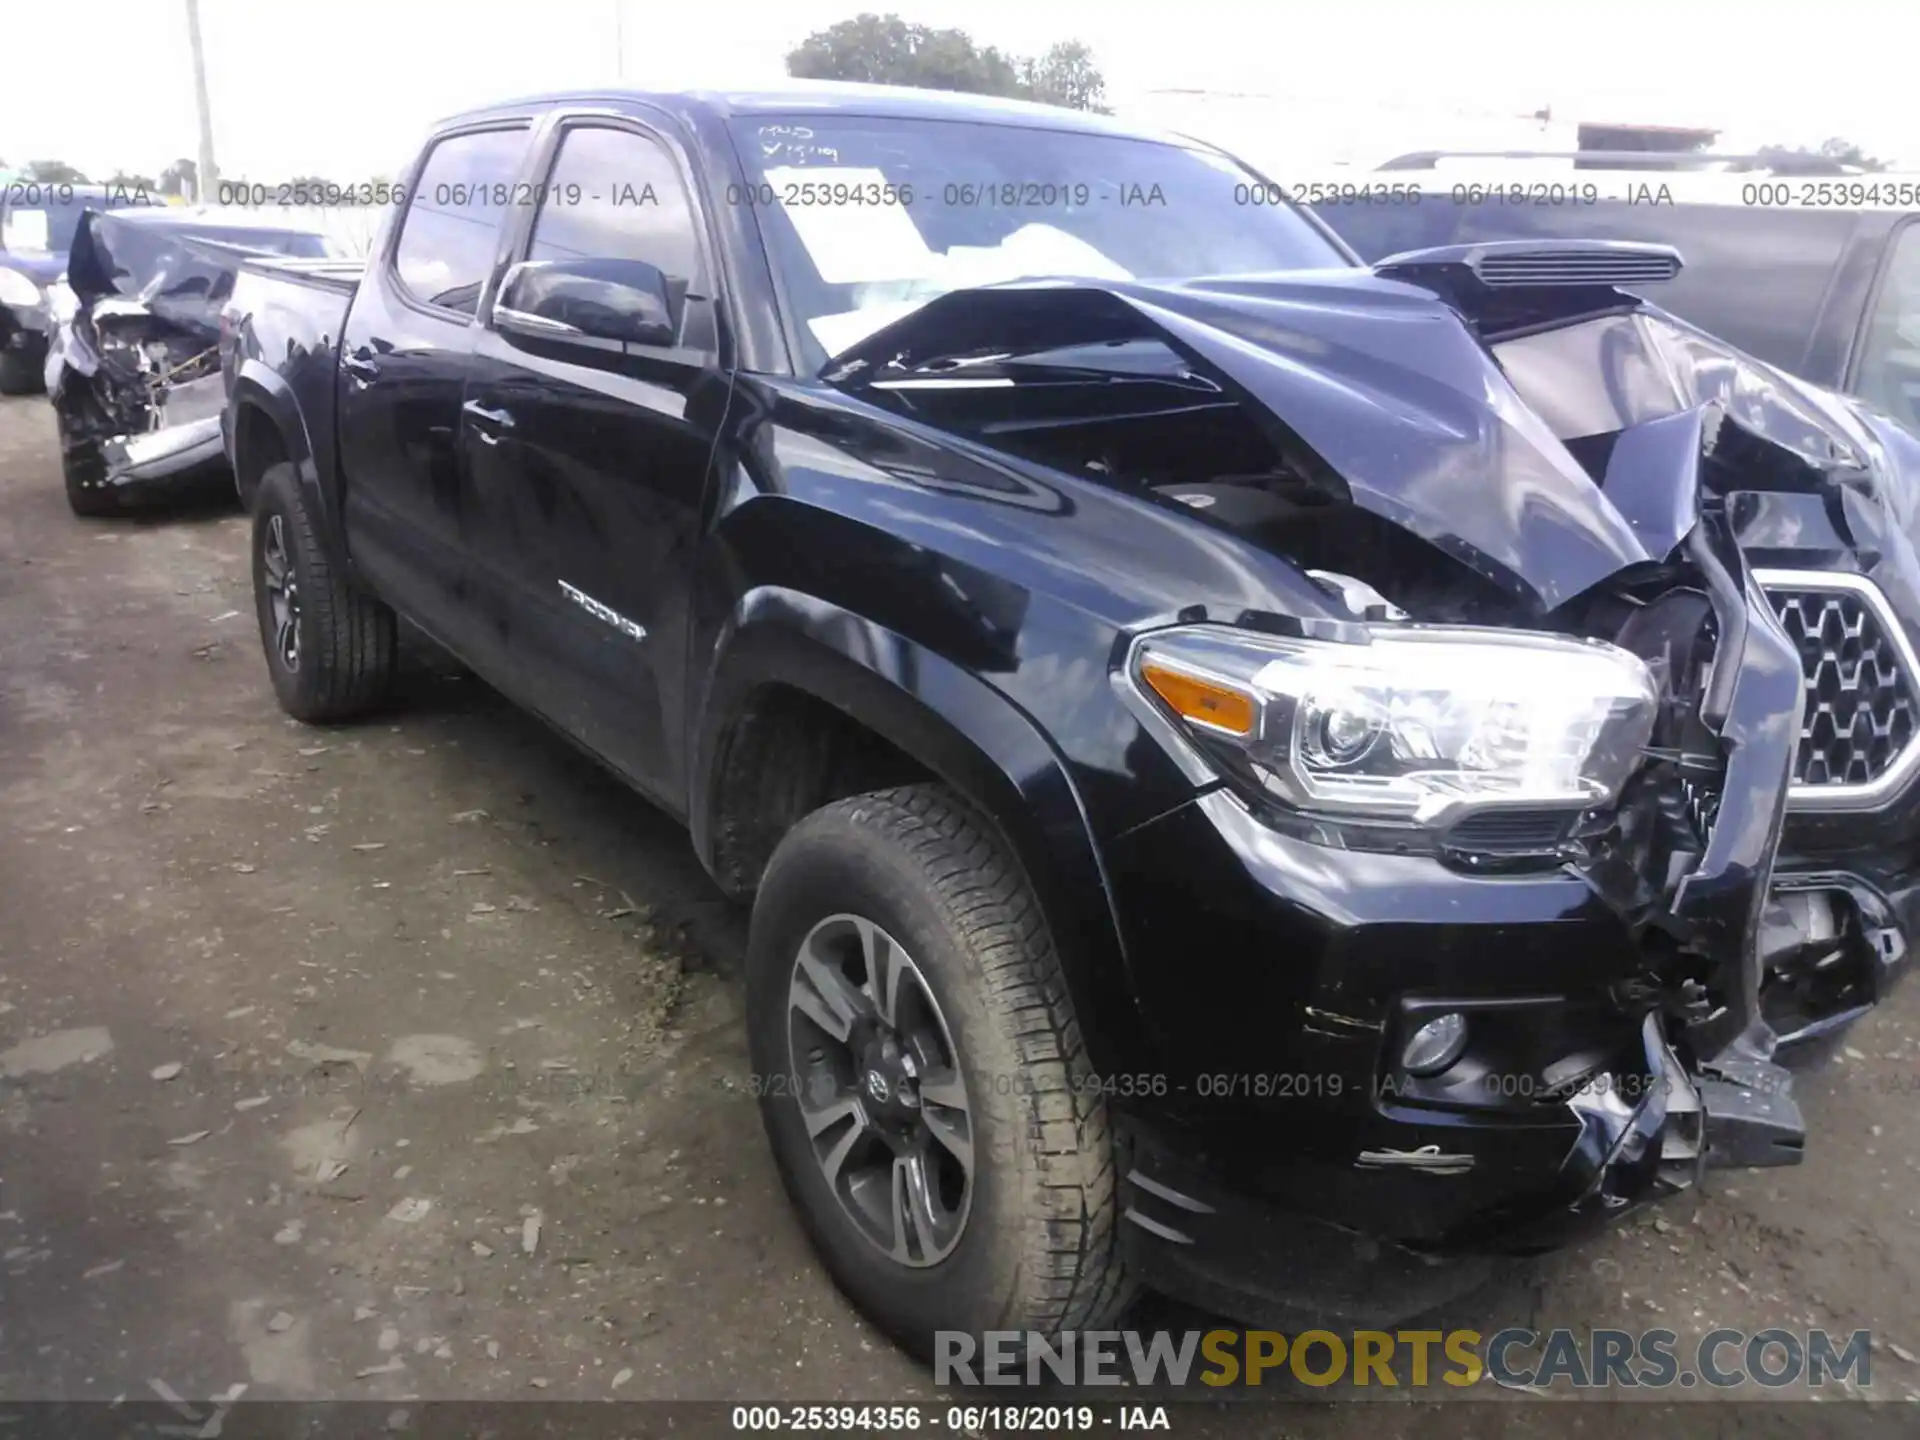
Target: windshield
x=867, y=219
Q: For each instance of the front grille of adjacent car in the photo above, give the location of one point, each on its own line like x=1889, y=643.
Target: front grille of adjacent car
x=1863, y=694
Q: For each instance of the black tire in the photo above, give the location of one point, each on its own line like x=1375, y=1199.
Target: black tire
x=18, y=374
x=342, y=661
x=1038, y=1248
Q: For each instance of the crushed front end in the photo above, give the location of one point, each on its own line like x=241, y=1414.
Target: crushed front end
x=138, y=399
x=1822, y=496
x=1401, y=1018
x=133, y=367
x=1431, y=1049
x=1839, y=569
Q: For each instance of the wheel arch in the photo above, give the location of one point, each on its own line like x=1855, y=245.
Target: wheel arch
x=267, y=428
x=943, y=722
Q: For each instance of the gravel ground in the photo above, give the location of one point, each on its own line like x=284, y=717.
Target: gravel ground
x=404, y=1060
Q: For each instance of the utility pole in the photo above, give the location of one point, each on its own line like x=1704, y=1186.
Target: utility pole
x=206, y=176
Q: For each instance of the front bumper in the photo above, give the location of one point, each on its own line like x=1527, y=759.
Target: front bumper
x=183, y=438
x=161, y=454
x=1638, y=1139
x=1281, y=1152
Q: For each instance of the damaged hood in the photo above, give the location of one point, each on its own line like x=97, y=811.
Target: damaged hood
x=149, y=265
x=37, y=265
x=1548, y=460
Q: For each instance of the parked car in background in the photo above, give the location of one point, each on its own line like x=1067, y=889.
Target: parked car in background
x=1265, y=784
x=133, y=369
x=1817, y=274
x=37, y=224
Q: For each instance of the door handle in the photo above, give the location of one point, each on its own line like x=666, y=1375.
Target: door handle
x=498, y=419
x=360, y=367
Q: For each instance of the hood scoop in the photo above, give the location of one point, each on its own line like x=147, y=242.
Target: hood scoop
x=1500, y=264
x=1505, y=285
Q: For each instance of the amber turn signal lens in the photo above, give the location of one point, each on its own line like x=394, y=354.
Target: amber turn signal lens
x=1204, y=701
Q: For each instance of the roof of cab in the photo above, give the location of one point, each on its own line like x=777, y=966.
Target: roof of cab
x=838, y=97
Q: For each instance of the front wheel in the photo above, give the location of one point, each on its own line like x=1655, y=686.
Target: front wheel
x=922, y=1077
x=330, y=647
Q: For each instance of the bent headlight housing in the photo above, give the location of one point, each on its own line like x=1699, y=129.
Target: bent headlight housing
x=1422, y=723
x=18, y=289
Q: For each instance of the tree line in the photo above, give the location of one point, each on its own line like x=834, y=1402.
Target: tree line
x=887, y=50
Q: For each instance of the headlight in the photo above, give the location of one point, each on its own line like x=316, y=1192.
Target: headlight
x=17, y=289
x=1420, y=723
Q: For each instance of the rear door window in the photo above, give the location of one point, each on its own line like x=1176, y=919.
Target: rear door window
x=1889, y=373
x=616, y=195
x=452, y=225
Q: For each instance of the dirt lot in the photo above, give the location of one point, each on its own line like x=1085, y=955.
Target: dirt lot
x=404, y=1060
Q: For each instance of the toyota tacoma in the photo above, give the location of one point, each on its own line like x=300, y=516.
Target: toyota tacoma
x=1255, y=775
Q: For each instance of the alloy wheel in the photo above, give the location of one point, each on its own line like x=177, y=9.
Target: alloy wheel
x=877, y=1080
x=283, y=593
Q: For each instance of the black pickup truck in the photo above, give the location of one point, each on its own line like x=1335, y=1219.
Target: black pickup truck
x=1254, y=775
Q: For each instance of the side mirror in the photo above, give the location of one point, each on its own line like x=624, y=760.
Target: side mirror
x=626, y=301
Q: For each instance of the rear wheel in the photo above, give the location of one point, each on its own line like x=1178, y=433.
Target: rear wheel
x=330, y=648
x=922, y=1078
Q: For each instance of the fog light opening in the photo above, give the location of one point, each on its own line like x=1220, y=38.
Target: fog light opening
x=1435, y=1045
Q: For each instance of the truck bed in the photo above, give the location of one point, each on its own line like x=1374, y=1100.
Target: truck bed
x=285, y=318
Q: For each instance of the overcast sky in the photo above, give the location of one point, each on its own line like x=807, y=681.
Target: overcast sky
x=345, y=87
